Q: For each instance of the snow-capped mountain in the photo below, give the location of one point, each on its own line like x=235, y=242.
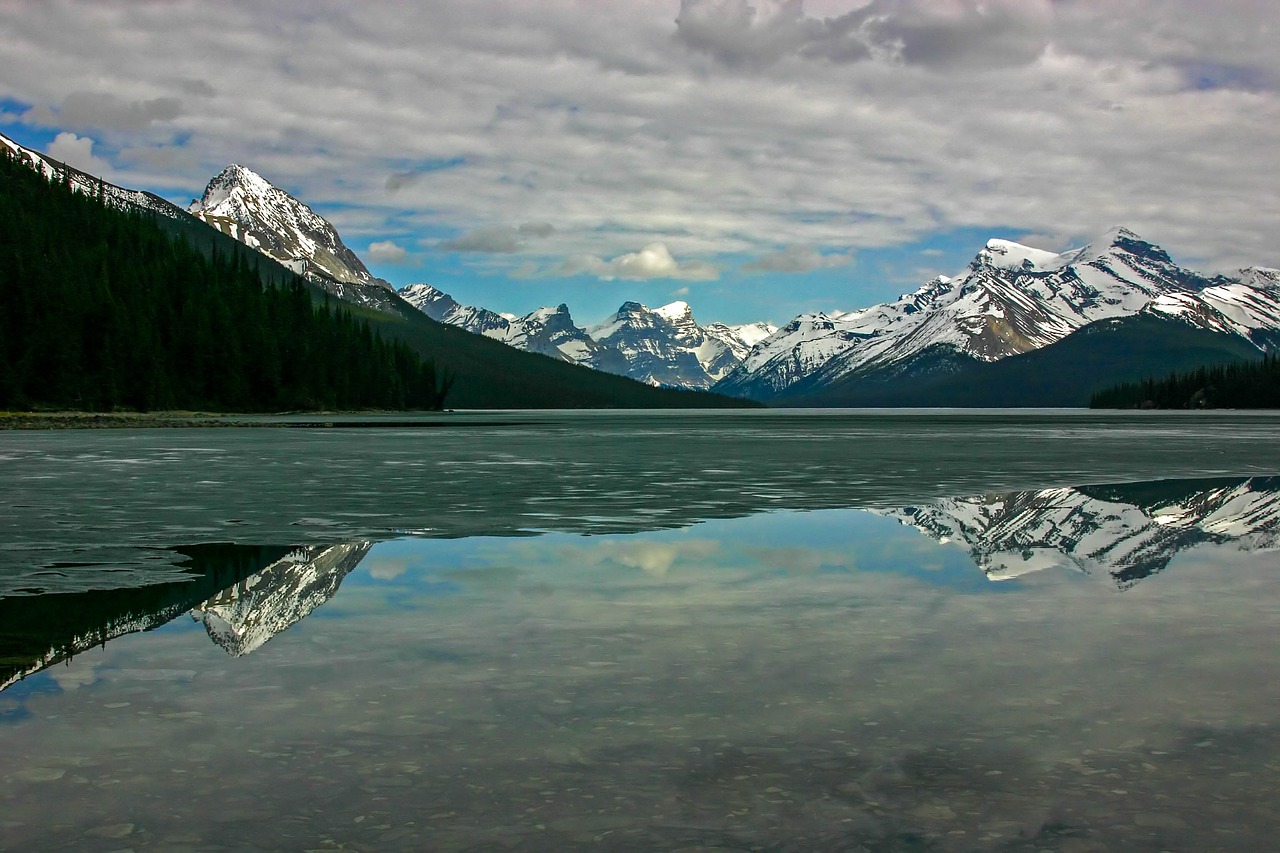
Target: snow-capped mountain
x=662, y=346
x=243, y=617
x=665, y=346
x=1127, y=532
x=125, y=199
x=242, y=204
x=549, y=331
x=1012, y=299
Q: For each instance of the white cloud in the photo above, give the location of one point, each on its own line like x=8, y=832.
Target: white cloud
x=78, y=151
x=387, y=252
x=653, y=261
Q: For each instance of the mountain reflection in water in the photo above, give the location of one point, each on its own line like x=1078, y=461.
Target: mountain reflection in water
x=1129, y=531
x=244, y=595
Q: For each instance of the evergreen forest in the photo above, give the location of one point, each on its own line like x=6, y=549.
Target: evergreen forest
x=1239, y=385
x=100, y=309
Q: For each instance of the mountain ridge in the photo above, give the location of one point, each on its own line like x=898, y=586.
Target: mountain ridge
x=662, y=346
x=1011, y=300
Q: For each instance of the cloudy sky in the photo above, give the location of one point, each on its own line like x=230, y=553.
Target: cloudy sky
x=757, y=158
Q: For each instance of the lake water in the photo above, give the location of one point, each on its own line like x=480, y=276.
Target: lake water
x=943, y=631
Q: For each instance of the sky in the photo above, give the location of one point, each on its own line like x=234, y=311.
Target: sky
x=756, y=158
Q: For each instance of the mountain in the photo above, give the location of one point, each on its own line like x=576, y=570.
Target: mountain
x=1012, y=300
x=662, y=347
x=92, y=281
x=107, y=307
x=242, y=204
x=1126, y=532
x=1066, y=373
x=548, y=331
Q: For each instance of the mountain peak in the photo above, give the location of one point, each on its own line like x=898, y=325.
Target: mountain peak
x=243, y=204
x=674, y=310
x=1006, y=254
x=225, y=184
x=1119, y=238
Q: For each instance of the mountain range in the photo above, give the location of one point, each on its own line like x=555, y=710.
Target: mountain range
x=1013, y=328
x=962, y=340
x=658, y=346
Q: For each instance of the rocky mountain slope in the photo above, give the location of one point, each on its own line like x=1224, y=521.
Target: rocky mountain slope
x=1012, y=299
x=242, y=204
x=662, y=346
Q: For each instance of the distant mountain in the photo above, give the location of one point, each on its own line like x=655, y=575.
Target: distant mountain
x=663, y=346
x=549, y=331
x=1066, y=373
x=1127, y=532
x=1011, y=300
x=242, y=204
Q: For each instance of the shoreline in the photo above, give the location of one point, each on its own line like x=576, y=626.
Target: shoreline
x=202, y=420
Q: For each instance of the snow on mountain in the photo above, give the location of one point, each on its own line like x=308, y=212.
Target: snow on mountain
x=662, y=346
x=1012, y=299
x=443, y=308
x=242, y=204
x=243, y=617
x=120, y=197
x=549, y=331
x=1118, y=531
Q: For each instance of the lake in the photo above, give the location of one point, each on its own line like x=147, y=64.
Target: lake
x=875, y=631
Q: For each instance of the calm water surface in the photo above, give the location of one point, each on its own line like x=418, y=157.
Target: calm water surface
x=761, y=631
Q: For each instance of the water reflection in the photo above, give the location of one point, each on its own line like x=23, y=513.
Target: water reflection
x=1129, y=531
x=828, y=680
x=243, y=594
x=241, y=618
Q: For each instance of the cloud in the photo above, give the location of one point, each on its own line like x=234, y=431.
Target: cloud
x=77, y=151
x=721, y=130
x=498, y=239
x=653, y=261
x=104, y=111
x=934, y=33
x=199, y=88
x=959, y=33
x=541, y=230
x=387, y=252
x=746, y=32
x=797, y=259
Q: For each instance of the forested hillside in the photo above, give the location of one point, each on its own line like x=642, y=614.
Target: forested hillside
x=100, y=308
x=1240, y=385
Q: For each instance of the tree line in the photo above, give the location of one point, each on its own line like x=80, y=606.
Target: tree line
x=1239, y=385
x=101, y=309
